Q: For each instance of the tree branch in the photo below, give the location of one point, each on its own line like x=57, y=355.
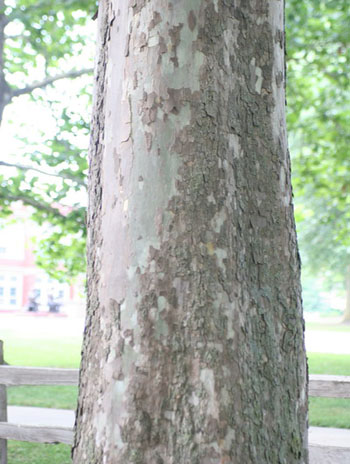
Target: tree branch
x=32, y=202
x=30, y=168
x=48, y=81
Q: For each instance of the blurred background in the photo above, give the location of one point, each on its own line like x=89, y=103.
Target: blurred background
x=46, y=60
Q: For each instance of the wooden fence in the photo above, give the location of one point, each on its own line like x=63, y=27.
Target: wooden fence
x=15, y=376
x=330, y=386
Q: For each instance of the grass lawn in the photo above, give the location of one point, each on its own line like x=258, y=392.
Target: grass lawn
x=20, y=452
x=43, y=397
x=332, y=364
x=44, y=352
x=329, y=412
x=44, y=343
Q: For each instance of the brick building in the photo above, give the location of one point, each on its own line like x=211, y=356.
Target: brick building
x=19, y=275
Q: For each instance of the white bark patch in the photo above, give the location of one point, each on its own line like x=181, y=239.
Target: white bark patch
x=169, y=415
x=284, y=187
x=228, y=440
x=219, y=220
x=160, y=325
x=231, y=36
x=231, y=334
x=211, y=199
x=111, y=356
x=119, y=391
x=194, y=399
x=141, y=184
x=217, y=346
x=161, y=303
x=259, y=80
x=221, y=254
x=278, y=92
x=234, y=144
x=125, y=130
x=256, y=75
x=153, y=41
x=207, y=378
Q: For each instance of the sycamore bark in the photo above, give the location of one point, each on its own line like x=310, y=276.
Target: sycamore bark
x=193, y=348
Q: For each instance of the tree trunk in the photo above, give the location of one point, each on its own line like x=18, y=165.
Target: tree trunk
x=193, y=348
x=346, y=316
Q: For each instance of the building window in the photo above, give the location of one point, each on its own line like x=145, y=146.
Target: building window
x=2, y=250
x=13, y=291
x=1, y=291
x=13, y=278
x=13, y=301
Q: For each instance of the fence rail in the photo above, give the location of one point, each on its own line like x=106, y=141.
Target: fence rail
x=36, y=434
x=15, y=375
x=330, y=386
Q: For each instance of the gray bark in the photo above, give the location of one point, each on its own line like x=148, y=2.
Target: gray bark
x=193, y=349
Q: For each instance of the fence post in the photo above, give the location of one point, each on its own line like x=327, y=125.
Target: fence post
x=3, y=410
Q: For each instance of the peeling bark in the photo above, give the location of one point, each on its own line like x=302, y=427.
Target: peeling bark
x=194, y=349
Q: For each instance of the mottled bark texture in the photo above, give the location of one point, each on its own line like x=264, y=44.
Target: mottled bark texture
x=193, y=351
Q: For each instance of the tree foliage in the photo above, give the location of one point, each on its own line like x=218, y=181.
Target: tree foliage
x=42, y=45
x=318, y=121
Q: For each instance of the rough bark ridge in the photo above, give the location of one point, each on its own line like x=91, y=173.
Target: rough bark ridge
x=194, y=347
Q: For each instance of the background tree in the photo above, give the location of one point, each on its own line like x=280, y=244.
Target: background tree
x=41, y=44
x=327, y=250
x=318, y=121
x=193, y=346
